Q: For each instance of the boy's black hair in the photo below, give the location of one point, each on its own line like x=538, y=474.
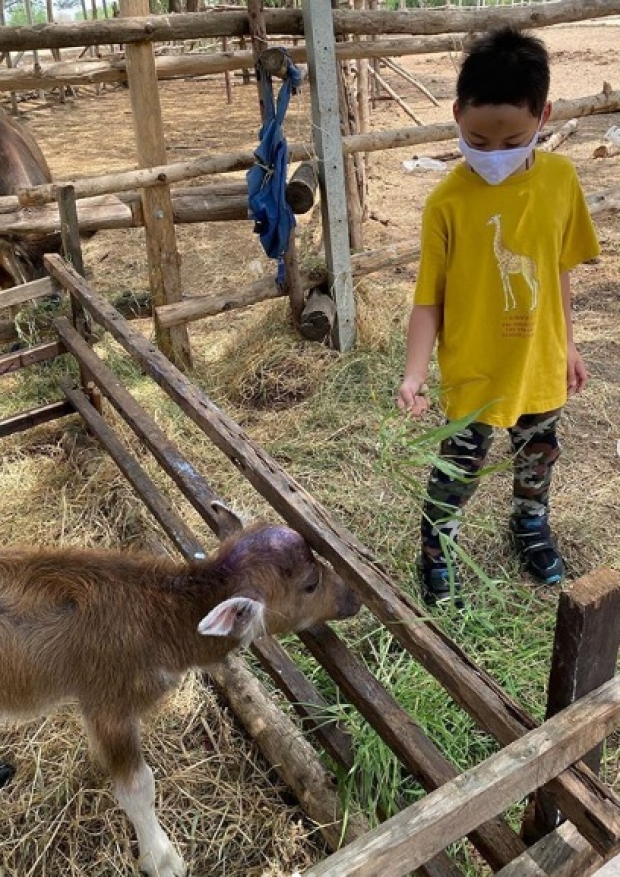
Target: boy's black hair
x=505, y=67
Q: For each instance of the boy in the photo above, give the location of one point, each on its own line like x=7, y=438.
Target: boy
x=499, y=237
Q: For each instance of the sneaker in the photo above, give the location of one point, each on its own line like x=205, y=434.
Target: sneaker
x=437, y=588
x=537, y=549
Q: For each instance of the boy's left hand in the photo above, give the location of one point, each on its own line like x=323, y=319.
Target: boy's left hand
x=577, y=374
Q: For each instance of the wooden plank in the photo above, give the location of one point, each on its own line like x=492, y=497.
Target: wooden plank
x=323, y=75
x=190, y=482
x=407, y=840
x=12, y=362
x=35, y=417
x=163, y=257
x=563, y=853
x=17, y=295
x=585, y=652
x=495, y=840
x=593, y=808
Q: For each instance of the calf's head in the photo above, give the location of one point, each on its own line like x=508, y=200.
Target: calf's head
x=275, y=585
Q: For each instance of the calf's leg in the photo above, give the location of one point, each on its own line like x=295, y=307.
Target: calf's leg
x=117, y=745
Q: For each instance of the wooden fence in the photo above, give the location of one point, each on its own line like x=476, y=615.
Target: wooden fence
x=457, y=805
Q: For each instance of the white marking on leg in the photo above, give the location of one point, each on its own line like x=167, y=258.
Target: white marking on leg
x=136, y=795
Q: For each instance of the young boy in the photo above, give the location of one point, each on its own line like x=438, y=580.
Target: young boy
x=499, y=237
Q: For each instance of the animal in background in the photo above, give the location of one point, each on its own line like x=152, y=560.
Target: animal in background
x=22, y=164
x=114, y=631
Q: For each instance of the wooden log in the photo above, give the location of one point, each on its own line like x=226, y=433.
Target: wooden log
x=199, y=204
x=589, y=804
x=200, y=25
x=604, y=102
x=318, y=316
x=164, y=263
x=113, y=70
x=302, y=186
x=606, y=150
x=354, y=177
x=284, y=746
x=72, y=251
x=407, y=840
x=107, y=211
x=559, y=136
x=306, y=701
x=266, y=288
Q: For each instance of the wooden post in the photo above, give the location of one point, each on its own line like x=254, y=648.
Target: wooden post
x=354, y=170
x=72, y=251
x=585, y=650
x=227, y=78
x=163, y=256
x=318, y=27
x=363, y=99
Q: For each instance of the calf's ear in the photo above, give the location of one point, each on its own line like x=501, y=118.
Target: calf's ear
x=240, y=617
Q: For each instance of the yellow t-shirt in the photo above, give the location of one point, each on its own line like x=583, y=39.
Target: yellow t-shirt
x=492, y=258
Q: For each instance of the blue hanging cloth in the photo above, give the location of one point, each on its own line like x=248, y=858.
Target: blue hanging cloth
x=273, y=217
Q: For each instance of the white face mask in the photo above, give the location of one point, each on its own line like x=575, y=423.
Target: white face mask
x=498, y=165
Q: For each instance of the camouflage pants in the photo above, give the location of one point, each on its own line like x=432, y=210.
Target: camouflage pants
x=536, y=448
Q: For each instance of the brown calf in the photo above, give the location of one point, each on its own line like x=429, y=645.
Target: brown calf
x=114, y=631
x=22, y=164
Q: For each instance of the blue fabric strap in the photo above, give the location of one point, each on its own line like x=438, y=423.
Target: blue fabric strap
x=273, y=218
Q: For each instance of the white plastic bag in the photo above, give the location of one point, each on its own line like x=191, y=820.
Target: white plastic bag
x=613, y=135
x=424, y=164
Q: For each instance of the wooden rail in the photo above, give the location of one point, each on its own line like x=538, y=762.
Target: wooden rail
x=402, y=843
x=221, y=23
x=606, y=101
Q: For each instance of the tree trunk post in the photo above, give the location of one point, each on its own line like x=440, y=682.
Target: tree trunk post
x=163, y=257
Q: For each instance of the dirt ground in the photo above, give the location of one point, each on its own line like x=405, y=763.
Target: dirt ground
x=93, y=134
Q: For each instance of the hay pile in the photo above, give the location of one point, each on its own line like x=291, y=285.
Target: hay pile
x=222, y=806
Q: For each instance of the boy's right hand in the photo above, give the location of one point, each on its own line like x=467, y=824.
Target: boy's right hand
x=413, y=397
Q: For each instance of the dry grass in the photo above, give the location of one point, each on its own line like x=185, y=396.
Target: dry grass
x=225, y=809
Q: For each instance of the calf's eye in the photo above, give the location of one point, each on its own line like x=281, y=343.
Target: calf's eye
x=311, y=588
